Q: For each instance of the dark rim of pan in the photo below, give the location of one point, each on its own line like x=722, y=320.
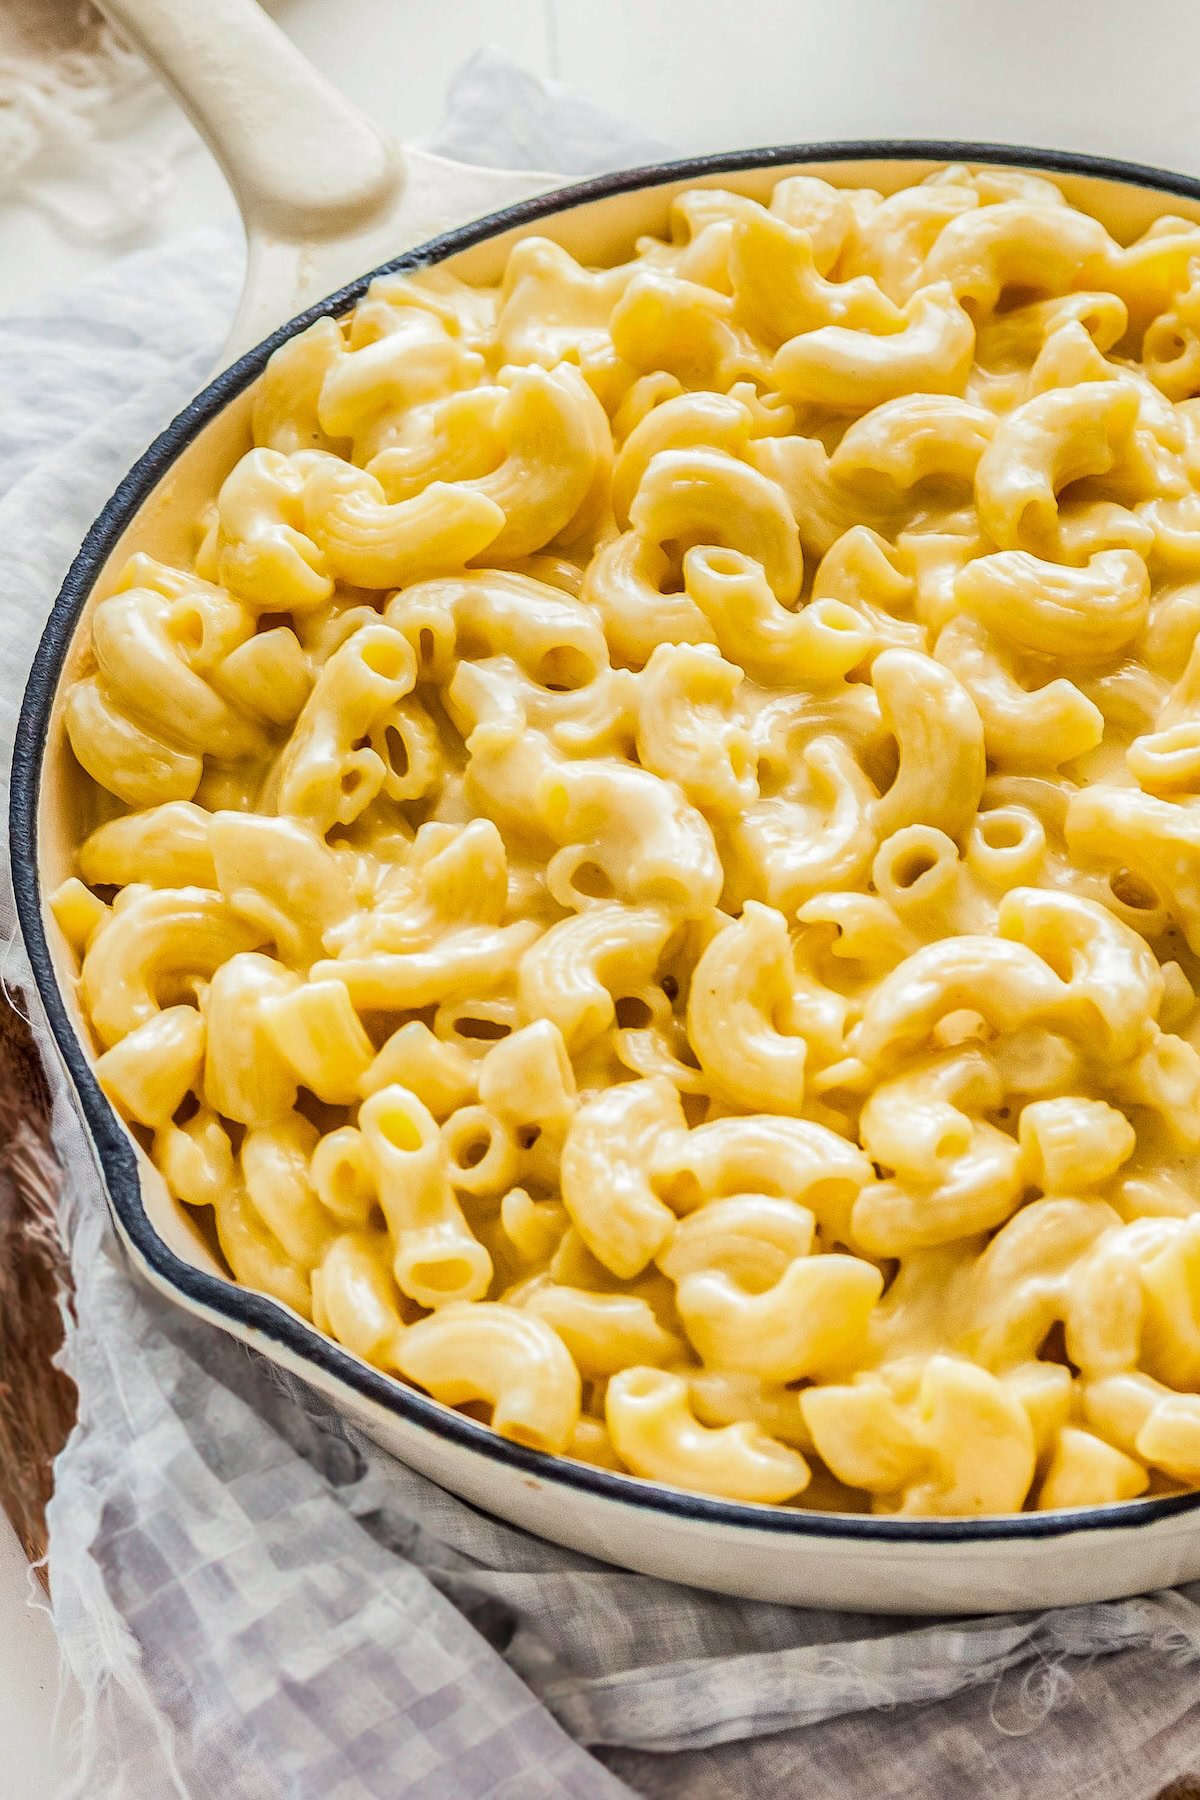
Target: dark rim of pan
x=243, y=1310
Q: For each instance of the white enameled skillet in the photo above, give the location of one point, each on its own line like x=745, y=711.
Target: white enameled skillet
x=326, y=205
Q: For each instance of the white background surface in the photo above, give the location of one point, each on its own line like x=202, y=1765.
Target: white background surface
x=32, y=1740
x=1099, y=75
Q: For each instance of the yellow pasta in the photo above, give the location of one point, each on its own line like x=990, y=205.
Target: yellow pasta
x=648, y=877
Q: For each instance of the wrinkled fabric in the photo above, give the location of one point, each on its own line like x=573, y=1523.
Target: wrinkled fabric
x=259, y=1604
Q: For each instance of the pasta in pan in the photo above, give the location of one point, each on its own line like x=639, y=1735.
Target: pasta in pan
x=647, y=878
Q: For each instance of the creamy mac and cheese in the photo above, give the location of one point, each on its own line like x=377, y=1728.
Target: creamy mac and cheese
x=650, y=882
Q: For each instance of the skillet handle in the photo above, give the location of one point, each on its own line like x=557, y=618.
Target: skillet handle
x=322, y=196
x=302, y=162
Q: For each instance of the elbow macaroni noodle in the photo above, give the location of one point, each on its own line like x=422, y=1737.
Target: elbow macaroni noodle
x=647, y=880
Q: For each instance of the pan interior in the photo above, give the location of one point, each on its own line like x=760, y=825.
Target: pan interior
x=156, y=509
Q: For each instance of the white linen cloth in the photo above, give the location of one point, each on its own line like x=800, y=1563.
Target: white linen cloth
x=260, y=1605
